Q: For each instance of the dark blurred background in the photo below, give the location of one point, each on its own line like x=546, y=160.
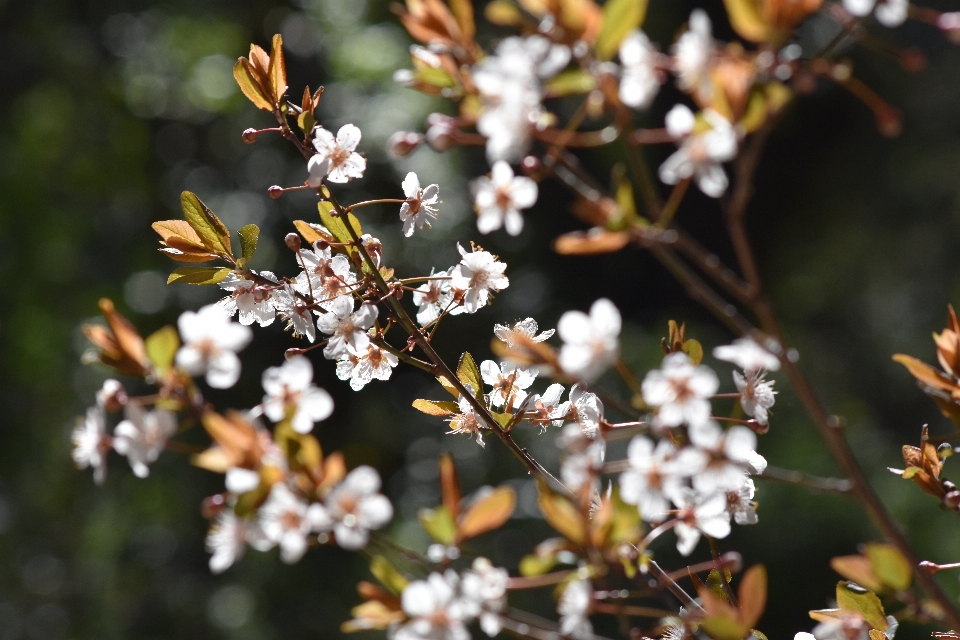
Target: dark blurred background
x=109, y=109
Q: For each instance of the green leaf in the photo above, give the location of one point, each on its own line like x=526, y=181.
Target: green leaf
x=469, y=373
x=244, y=75
x=439, y=408
x=534, y=565
x=694, y=349
x=890, y=566
x=336, y=225
x=448, y=386
x=435, y=77
x=388, y=575
x=505, y=420
x=620, y=17
x=248, y=240
x=569, y=83
x=306, y=121
x=714, y=584
x=722, y=628
x=852, y=598
x=439, y=525
x=199, y=275
x=746, y=19
x=162, y=347
x=214, y=235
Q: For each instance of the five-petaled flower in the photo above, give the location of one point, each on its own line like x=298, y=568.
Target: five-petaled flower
x=253, y=302
x=142, y=436
x=290, y=391
x=521, y=329
x=347, y=328
x=680, y=391
x=210, y=346
x=499, y=198
x=590, y=342
x=356, y=507
x=702, y=149
x=508, y=381
x=478, y=273
x=336, y=159
x=419, y=204
x=287, y=520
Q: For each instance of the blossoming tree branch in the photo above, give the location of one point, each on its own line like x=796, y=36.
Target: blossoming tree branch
x=688, y=475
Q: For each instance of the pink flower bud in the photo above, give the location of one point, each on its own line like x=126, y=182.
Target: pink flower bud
x=402, y=143
x=250, y=136
x=292, y=240
x=275, y=191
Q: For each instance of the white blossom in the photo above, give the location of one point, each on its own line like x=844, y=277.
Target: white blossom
x=653, y=477
x=326, y=277
x=142, y=436
x=290, y=388
x=587, y=407
x=375, y=364
x=680, y=390
x=850, y=626
x=590, y=342
x=435, y=611
x=91, y=443
x=584, y=456
x=210, y=346
x=466, y=421
x=295, y=311
x=526, y=328
x=693, y=52
x=499, y=198
x=700, y=514
x=509, y=382
x=357, y=507
x=336, y=159
x=727, y=455
x=573, y=607
x=478, y=273
x=432, y=297
x=419, y=204
x=287, y=521
x=740, y=503
x=701, y=153
x=889, y=13
x=228, y=538
x=547, y=410
x=347, y=328
x=253, y=302
x=756, y=394
x=748, y=355
x=640, y=81
x=111, y=395
x=484, y=590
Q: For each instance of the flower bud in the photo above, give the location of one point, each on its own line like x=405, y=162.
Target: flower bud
x=250, y=136
x=440, y=131
x=293, y=351
x=275, y=191
x=530, y=165
x=952, y=499
x=949, y=23
x=292, y=240
x=212, y=505
x=402, y=143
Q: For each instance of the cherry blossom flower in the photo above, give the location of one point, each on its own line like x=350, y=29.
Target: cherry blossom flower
x=295, y=311
x=210, y=346
x=547, y=410
x=590, y=342
x=499, y=198
x=748, y=355
x=680, y=390
x=466, y=421
x=508, y=381
x=728, y=454
x=700, y=513
x=287, y=521
x=228, y=538
x=740, y=503
x=889, y=13
x=347, y=328
x=326, y=276
x=435, y=611
x=91, y=443
x=653, y=477
x=253, y=302
x=756, y=394
x=357, y=507
x=850, y=626
x=573, y=607
x=526, y=328
x=432, y=297
x=375, y=364
x=478, y=273
x=701, y=153
x=587, y=407
x=693, y=52
x=142, y=436
x=419, y=205
x=336, y=159
x=111, y=396
x=640, y=81
x=289, y=389
x=803, y=635
x=484, y=590
x=585, y=454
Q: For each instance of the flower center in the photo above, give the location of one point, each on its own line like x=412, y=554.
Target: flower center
x=339, y=156
x=504, y=199
x=290, y=520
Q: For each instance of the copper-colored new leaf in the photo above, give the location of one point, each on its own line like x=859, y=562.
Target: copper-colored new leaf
x=723, y=628
x=925, y=373
x=438, y=408
x=562, y=515
x=450, y=485
x=246, y=76
x=277, y=71
x=237, y=437
x=597, y=240
x=784, y=15
x=310, y=233
x=752, y=594
x=120, y=346
x=469, y=374
x=212, y=232
x=858, y=569
x=463, y=13
x=487, y=513
x=746, y=20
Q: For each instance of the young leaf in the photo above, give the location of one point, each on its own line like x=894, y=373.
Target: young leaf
x=246, y=76
x=487, y=513
x=388, y=575
x=723, y=628
x=561, y=514
x=694, y=349
x=277, y=70
x=337, y=226
x=752, y=595
x=858, y=569
x=439, y=525
x=248, y=240
x=438, y=408
x=534, y=565
x=450, y=485
x=212, y=232
x=463, y=12
x=620, y=17
x=570, y=83
x=469, y=374
x=890, y=566
x=162, y=347
x=311, y=233
x=746, y=20
x=199, y=275
x=448, y=386
x=854, y=599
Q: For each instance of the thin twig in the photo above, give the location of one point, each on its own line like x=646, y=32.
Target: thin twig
x=839, y=485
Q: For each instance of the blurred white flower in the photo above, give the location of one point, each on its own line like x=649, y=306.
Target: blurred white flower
x=584, y=456
x=357, y=507
x=419, y=205
x=700, y=513
x=748, y=355
x=693, y=52
x=290, y=388
x=590, y=342
x=701, y=153
x=653, y=477
x=476, y=276
x=434, y=610
x=499, y=198
x=889, y=13
x=91, y=443
x=740, y=502
x=727, y=455
x=484, y=591
x=573, y=607
x=210, y=346
x=253, y=302
x=142, y=436
x=336, y=159
x=680, y=391
x=228, y=538
x=640, y=81
x=347, y=328
x=287, y=521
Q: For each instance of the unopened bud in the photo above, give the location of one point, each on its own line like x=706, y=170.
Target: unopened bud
x=275, y=191
x=292, y=240
x=949, y=23
x=440, y=131
x=530, y=165
x=402, y=143
x=293, y=351
x=930, y=567
x=250, y=136
x=212, y=505
x=952, y=499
